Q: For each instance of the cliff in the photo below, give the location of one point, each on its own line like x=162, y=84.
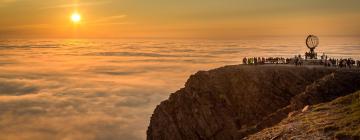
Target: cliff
x=234, y=101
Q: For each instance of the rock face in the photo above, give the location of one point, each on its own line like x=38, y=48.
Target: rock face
x=234, y=101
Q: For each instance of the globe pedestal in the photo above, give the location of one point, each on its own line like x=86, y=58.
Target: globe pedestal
x=311, y=55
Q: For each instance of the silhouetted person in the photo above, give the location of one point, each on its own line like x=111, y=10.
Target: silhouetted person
x=348, y=63
x=263, y=60
x=250, y=61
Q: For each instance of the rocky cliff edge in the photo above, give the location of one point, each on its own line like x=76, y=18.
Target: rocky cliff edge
x=233, y=102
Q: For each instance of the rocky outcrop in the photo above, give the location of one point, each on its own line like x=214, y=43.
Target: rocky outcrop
x=234, y=101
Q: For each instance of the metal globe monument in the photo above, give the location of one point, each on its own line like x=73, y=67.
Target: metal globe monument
x=312, y=42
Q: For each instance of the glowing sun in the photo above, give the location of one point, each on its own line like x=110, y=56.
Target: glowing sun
x=75, y=17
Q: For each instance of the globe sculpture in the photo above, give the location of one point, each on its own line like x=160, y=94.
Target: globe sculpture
x=312, y=42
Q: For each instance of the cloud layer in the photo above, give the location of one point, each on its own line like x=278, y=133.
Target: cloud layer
x=107, y=89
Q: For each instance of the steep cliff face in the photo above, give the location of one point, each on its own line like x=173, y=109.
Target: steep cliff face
x=234, y=101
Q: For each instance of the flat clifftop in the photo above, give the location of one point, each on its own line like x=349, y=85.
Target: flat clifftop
x=234, y=101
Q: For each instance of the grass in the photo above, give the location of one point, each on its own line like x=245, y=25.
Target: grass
x=346, y=110
x=338, y=119
x=351, y=120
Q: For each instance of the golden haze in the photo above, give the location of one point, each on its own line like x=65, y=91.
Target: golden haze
x=168, y=19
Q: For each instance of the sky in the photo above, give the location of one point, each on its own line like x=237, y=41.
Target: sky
x=178, y=18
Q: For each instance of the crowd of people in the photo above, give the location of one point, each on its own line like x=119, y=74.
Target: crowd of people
x=263, y=60
x=342, y=63
x=298, y=61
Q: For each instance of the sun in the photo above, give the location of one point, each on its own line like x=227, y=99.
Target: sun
x=75, y=17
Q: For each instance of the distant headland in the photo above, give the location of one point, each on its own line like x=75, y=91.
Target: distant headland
x=238, y=101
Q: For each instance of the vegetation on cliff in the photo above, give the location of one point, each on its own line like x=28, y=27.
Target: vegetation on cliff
x=338, y=119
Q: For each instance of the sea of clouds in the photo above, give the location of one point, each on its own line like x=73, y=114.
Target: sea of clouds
x=108, y=89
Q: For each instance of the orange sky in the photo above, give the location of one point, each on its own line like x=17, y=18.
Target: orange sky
x=177, y=19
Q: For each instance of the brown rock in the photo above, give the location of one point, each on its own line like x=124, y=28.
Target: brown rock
x=306, y=108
